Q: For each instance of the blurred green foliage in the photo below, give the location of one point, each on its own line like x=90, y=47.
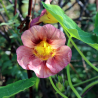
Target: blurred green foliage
x=11, y=71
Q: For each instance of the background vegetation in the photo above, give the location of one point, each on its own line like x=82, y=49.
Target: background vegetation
x=83, y=12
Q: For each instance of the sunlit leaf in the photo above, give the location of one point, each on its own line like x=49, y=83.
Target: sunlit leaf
x=69, y=25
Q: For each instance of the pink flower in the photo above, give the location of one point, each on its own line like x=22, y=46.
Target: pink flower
x=45, y=17
x=43, y=51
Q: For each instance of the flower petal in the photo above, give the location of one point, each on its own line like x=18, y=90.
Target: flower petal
x=40, y=68
x=53, y=33
x=38, y=33
x=37, y=20
x=27, y=38
x=48, y=18
x=48, y=32
x=57, y=43
x=24, y=56
x=55, y=37
x=60, y=60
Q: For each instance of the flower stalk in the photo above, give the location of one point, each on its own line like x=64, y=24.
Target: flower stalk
x=82, y=55
x=56, y=88
x=87, y=87
x=27, y=27
x=85, y=81
x=68, y=75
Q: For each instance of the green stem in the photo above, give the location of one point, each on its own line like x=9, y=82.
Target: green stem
x=68, y=75
x=88, y=86
x=82, y=55
x=56, y=88
x=68, y=44
x=5, y=9
x=70, y=83
x=85, y=81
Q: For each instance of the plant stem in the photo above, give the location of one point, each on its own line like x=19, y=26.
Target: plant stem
x=85, y=81
x=88, y=86
x=27, y=27
x=68, y=75
x=20, y=15
x=70, y=83
x=56, y=88
x=68, y=44
x=82, y=55
x=5, y=9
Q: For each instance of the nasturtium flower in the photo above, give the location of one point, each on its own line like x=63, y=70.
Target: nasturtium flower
x=45, y=17
x=43, y=51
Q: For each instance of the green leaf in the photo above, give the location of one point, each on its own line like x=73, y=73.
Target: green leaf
x=10, y=22
x=15, y=17
x=14, y=36
x=14, y=88
x=8, y=7
x=70, y=26
x=25, y=1
x=60, y=86
x=91, y=7
x=96, y=20
x=96, y=30
x=96, y=25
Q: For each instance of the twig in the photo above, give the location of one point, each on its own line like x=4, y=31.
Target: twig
x=20, y=16
x=64, y=3
x=82, y=8
x=70, y=7
x=6, y=37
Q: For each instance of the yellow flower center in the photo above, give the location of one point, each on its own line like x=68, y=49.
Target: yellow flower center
x=44, y=50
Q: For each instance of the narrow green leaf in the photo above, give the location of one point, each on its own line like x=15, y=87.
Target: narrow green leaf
x=15, y=17
x=7, y=7
x=96, y=30
x=69, y=25
x=14, y=88
x=96, y=20
x=10, y=22
x=14, y=36
x=96, y=25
